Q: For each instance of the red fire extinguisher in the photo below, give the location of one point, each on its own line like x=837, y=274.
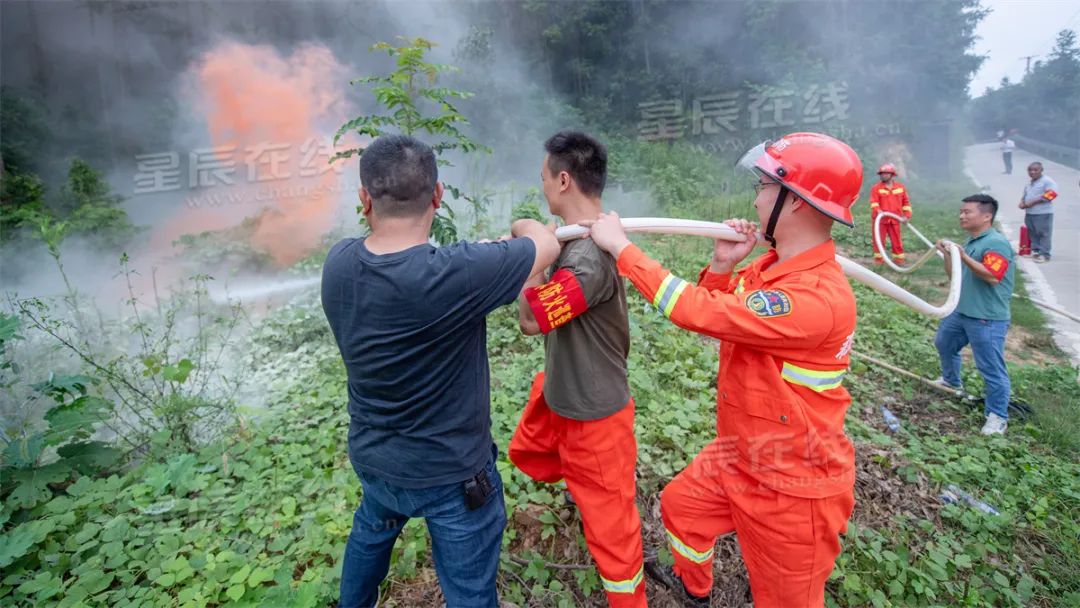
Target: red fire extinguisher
x=1025, y=241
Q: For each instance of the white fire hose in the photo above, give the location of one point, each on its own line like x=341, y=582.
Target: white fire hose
x=881, y=245
x=722, y=231
x=932, y=252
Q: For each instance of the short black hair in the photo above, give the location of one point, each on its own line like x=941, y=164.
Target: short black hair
x=580, y=155
x=400, y=174
x=987, y=204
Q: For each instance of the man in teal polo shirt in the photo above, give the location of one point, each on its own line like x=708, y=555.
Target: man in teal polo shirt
x=981, y=319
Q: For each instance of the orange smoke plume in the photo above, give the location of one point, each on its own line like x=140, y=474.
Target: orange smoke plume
x=270, y=118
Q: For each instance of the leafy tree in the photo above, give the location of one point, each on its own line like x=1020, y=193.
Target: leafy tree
x=25, y=132
x=407, y=94
x=22, y=202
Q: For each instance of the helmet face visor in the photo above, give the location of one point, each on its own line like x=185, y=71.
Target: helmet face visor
x=758, y=161
x=749, y=161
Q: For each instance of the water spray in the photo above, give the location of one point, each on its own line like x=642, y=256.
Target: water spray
x=661, y=225
x=258, y=291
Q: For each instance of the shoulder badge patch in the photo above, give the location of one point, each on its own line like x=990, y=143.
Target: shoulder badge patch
x=765, y=303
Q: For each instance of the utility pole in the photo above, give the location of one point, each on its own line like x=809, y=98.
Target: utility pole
x=1027, y=70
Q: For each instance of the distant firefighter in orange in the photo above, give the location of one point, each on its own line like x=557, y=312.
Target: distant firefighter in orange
x=892, y=196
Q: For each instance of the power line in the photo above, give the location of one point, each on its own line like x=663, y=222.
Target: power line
x=1027, y=70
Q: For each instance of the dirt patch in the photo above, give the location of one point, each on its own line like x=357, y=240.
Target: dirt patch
x=881, y=494
x=421, y=590
x=1021, y=344
x=929, y=410
x=560, y=546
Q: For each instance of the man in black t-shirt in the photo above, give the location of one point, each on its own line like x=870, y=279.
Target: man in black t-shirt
x=409, y=319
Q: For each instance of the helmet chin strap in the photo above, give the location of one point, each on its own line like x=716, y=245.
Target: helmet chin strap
x=774, y=217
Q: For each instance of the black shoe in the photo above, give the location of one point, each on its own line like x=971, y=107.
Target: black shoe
x=665, y=576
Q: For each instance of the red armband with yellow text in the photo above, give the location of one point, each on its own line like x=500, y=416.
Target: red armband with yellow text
x=1049, y=195
x=558, y=301
x=996, y=264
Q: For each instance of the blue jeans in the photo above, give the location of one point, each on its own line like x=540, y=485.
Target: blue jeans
x=987, y=340
x=465, y=544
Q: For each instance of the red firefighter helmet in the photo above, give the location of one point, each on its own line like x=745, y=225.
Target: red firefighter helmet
x=822, y=170
x=887, y=168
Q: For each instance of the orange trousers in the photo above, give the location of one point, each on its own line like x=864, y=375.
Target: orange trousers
x=597, y=458
x=890, y=234
x=789, y=544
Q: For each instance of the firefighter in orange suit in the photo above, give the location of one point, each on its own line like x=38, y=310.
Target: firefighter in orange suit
x=781, y=471
x=892, y=196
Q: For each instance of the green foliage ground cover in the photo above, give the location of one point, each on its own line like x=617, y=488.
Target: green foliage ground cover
x=260, y=517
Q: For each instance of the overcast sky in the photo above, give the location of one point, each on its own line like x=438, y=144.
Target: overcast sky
x=1017, y=28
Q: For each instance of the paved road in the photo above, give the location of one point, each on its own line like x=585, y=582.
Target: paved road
x=1058, y=281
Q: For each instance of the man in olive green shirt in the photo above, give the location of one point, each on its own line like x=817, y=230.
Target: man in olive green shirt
x=981, y=319
x=579, y=422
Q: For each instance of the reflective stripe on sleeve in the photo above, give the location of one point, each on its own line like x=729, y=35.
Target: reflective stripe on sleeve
x=813, y=379
x=668, y=294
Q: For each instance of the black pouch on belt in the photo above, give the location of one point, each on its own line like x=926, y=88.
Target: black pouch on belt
x=477, y=490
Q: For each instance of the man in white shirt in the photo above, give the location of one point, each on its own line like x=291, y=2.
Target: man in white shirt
x=1007, y=147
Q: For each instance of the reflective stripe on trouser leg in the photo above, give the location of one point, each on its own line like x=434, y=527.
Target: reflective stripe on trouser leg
x=629, y=585
x=681, y=548
x=695, y=510
x=598, y=459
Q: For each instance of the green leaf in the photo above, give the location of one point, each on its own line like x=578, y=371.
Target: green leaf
x=32, y=485
x=1026, y=588
x=89, y=457
x=176, y=564
x=23, y=452
x=288, y=506
x=36, y=584
x=76, y=420
x=179, y=372
x=88, y=531
x=18, y=542
x=962, y=561
x=896, y=589
x=9, y=328
x=235, y=592
x=852, y=582
x=259, y=576
x=81, y=486
x=63, y=386
x=240, y=575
